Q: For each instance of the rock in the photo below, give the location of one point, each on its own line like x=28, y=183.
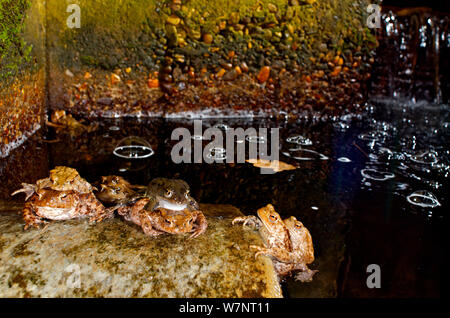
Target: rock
x=207, y=38
x=115, y=259
x=264, y=74
x=272, y=8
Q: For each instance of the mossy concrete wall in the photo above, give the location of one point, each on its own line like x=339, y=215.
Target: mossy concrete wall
x=22, y=70
x=178, y=57
x=162, y=57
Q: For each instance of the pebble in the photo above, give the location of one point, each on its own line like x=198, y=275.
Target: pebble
x=264, y=74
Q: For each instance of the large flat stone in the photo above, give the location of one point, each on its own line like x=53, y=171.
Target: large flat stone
x=115, y=259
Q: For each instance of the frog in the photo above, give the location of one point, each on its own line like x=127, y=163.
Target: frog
x=49, y=204
x=165, y=207
x=155, y=222
x=61, y=179
x=285, y=242
x=64, y=122
x=117, y=190
x=303, y=249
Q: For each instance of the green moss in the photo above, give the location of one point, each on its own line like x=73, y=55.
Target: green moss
x=14, y=52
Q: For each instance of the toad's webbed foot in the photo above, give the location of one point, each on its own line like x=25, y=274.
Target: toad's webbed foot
x=28, y=189
x=306, y=276
x=201, y=225
x=250, y=220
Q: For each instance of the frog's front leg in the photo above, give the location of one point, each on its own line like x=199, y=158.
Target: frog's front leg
x=151, y=204
x=97, y=211
x=278, y=254
x=249, y=220
x=147, y=227
x=200, y=226
x=30, y=217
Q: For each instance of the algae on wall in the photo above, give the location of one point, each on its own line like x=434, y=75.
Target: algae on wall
x=14, y=52
x=22, y=78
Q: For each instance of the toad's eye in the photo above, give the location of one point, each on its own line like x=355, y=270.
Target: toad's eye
x=168, y=222
x=190, y=221
x=298, y=226
x=169, y=193
x=272, y=217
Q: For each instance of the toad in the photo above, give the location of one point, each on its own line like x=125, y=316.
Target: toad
x=166, y=207
x=63, y=195
x=61, y=205
x=117, y=190
x=287, y=242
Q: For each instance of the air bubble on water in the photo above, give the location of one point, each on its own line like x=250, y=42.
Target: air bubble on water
x=341, y=126
x=256, y=139
x=217, y=153
x=344, y=159
x=423, y=199
x=114, y=128
x=368, y=136
x=300, y=140
x=377, y=175
x=133, y=148
x=223, y=127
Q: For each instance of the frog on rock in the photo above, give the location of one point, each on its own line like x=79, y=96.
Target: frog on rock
x=63, y=195
x=288, y=242
x=166, y=207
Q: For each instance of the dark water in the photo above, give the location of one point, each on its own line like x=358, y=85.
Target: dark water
x=373, y=191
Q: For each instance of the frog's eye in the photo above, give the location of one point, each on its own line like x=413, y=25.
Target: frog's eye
x=272, y=218
x=169, y=193
x=190, y=220
x=298, y=226
x=168, y=222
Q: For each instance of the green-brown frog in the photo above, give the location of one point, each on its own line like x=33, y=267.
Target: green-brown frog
x=288, y=242
x=166, y=207
x=117, y=190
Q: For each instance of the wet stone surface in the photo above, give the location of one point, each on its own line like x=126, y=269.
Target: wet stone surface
x=116, y=259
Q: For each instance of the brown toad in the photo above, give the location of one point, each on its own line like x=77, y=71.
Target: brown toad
x=288, y=242
x=62, y=205
x=166, y=207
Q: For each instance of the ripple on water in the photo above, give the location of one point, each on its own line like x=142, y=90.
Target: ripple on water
x=423, y=199
x=427, y=157
x=305, y=154
x=377, y=175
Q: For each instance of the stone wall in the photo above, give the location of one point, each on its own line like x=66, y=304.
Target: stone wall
x=208, y=57
x=178, y=58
